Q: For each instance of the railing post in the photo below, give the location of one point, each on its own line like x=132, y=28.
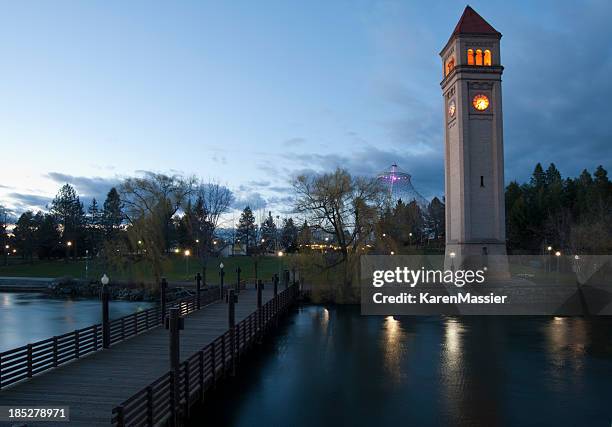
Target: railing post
x=187, y=387
x=55, y=351
x=105, y=317
x=149, y=405
x=29, y=360
x=120, y=416
x=275, y=300
x=221, y=275
x=231, y=316
x=204, y=277
x=162, y=296
x=173, y=399
x=201, y=373
x=174, y=323
x=95, y=337
x=76, y=344
x=238, y=271
x=198, y=289
x=259, y=310
x=213, y=363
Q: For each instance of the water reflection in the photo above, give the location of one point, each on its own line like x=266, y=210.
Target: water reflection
x=337, y=367
x=566, y=343
x=29, y=317
x=393, y=346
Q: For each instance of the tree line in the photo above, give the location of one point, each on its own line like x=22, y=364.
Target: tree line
x=573, y=215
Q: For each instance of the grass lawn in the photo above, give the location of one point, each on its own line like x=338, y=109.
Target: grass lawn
x=176, y=269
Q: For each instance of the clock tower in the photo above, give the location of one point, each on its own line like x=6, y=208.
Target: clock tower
x=473, y=143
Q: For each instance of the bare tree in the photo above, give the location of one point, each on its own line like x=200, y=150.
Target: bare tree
x=149, y=203
x=340, y=205
x=211, y=201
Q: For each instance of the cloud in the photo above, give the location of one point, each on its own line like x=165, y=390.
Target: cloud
x=292, y=142
x=427, y=168
x=86, y=186
x=22, y=202
x=259, y=183
x=557, y=101
x=254, y=200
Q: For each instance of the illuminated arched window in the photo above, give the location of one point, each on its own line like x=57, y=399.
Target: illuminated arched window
x=450, y=64
x=478, y=57
x=487, y=57
x=470, y=57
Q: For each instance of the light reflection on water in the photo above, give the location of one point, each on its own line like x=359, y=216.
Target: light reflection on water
x=332, y=366
x=30, y=317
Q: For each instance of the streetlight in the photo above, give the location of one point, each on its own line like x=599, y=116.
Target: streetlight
x=280, y=253
x=177, y=250
x=558, y=256
x=86, y=263
x=452, y=257
x=392, y=253
x=105, y=294
x=68, y=246
x=187, y=253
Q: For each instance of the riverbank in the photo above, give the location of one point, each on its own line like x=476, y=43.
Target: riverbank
x=67, y=287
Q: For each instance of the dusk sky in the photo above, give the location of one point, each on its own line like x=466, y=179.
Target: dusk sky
x=250, y=93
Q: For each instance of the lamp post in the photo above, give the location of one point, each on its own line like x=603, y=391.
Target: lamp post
x=86, y=263
x=280, y=261
x=68, y=246
x=548, y=266
x=187, y=254
x=105, y=317
x=452, y=257
x=221, y=275
x=558, y=256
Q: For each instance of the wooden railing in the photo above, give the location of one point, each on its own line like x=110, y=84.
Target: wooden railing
x=170, y=397
x=31, y=359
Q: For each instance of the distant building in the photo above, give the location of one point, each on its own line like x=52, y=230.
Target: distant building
x=397, y=185
x=236, y=249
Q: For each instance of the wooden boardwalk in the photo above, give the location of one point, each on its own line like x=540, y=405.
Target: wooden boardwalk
x=93, y=385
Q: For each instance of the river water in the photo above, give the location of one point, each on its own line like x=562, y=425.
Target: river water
x=30, y=317
x=330, y=366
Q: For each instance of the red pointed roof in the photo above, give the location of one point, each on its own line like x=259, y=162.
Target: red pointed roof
x=472, y=23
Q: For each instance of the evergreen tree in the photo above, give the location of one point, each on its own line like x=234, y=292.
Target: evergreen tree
x=246, y=230
x=112, y=215
x=25, y=235
x=436, y=219
x=47, y=236
x=289, y=235
x=268, y=234
x=68, y=211
x=94, y=227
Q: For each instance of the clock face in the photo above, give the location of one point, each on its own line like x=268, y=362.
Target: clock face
x=480, y=102
x=452, y=107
